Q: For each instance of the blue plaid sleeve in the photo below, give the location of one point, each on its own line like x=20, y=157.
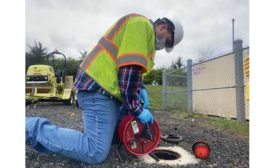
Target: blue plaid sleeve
x=130, y=79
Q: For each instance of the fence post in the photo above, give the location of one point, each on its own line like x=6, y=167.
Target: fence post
x=164, y=95
x=189, y=86
x=239, y=81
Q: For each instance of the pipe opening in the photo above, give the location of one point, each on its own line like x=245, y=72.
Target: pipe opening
x=166, y=154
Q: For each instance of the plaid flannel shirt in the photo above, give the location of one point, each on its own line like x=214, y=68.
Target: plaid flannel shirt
x=130, y=82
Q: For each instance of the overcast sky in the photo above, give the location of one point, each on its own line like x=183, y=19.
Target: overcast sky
x=76, y=25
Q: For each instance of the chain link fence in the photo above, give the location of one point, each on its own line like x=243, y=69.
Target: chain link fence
x=175, y=89
x=215, y=87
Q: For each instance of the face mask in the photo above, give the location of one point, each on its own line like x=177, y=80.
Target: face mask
x=160, y=44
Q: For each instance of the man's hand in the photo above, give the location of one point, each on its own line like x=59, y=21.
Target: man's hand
x=146, y=117
x=144, y=95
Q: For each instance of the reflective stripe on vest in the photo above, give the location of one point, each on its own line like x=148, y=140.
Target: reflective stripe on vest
x=90, y=57
x=134, y=58
x=119, y=24
x=103, y=43
x=109, y=46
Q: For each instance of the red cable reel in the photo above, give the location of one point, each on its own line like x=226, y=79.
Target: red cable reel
x=138, y=139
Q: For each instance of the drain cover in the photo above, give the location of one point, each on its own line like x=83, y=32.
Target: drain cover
x=171, y=138
x=166, y=154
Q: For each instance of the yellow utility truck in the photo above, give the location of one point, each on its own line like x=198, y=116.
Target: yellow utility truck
x=43, y=83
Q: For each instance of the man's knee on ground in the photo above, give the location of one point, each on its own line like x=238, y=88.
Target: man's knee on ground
x=96, y=158
x=97, y=154
x=102, y=156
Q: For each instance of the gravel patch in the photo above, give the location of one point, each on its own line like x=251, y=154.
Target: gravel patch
x=227, y=150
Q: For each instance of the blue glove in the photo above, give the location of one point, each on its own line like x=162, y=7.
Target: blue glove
x=143, y=95
x=146, y=117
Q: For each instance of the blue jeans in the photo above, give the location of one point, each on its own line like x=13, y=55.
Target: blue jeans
x=100, y=114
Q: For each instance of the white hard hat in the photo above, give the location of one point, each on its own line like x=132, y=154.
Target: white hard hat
x=178, y=33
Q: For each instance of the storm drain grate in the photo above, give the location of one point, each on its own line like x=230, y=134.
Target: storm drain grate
x=166, y=154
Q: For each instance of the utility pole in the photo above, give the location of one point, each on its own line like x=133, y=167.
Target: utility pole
x=233, y=20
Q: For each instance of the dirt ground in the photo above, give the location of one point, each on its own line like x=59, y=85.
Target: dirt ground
x=227, y=150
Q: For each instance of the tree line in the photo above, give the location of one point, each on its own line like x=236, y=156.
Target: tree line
x=37, y=54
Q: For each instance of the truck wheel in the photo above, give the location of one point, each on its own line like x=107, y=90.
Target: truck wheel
x=69, y=101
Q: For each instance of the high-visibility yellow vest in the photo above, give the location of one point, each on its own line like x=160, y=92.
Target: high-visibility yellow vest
x=130, y=41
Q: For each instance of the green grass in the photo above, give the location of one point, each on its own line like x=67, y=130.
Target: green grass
x=173, y=101
x=186, y=115
x=233, y=126
x=155, y=96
